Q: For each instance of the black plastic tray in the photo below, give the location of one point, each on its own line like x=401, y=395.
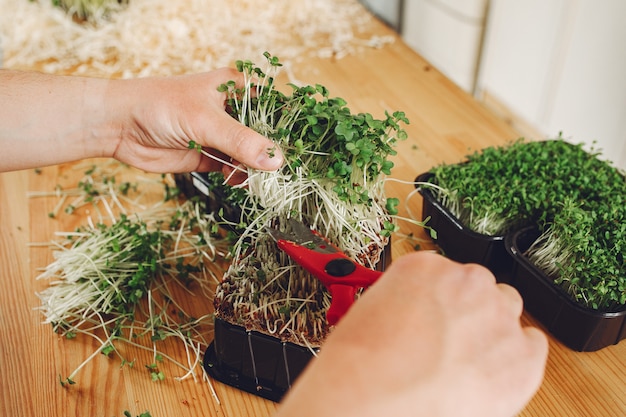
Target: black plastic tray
x=578, y=327
x=197, y=184
x=254, y=362
x=259, y=363
x=457, y=241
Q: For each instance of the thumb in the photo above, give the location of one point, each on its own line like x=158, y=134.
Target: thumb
x=247, y=146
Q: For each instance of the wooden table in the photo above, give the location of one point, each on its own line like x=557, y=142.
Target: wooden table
x=445, y=125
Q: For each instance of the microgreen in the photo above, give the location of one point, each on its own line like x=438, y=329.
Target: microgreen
x=198, y=147
x=155, y=373
x=194, y=145
x=583, y=249
x=144, y=414
x=107, y=350
x=65, y=382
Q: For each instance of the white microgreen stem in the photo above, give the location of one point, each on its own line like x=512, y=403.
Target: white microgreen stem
x=103, y=344
x=218, y=159
x=206, y=378
x=548, y=253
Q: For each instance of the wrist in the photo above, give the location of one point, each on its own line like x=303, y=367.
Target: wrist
x=105, y=116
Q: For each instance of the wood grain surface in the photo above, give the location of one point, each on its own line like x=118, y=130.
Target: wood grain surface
x=446, y=124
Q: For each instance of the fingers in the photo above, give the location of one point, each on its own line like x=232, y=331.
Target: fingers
x=234, y=176
x=513, y=300
x=483, y=281
x=538, y=342
x=247, y=146
x=240, y=142
x=206, y=163
x=531, y=357
x=222, y=132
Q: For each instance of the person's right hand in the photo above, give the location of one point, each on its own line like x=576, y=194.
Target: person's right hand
x=163, y=114
x=431, y=338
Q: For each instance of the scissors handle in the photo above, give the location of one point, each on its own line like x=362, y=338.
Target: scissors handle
x=339, y=274
x=342, y=298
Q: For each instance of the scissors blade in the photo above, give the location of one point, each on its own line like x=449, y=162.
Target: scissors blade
x=302, y=235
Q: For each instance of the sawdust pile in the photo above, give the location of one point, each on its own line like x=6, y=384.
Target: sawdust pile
x=165, y=37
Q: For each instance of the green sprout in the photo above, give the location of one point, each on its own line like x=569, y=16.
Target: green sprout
x=332, y=179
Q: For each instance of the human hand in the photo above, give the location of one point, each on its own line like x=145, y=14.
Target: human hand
x=165, y=114
x=431, y=338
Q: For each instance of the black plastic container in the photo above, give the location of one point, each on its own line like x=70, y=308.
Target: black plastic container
x=254, y=362
x=457, y=241
x=258, y=363
x=576, y=326
x=198, y=185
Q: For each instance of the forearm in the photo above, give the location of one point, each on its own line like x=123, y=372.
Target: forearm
x=46, y=119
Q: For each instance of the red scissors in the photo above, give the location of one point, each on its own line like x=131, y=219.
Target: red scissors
x=342, y=276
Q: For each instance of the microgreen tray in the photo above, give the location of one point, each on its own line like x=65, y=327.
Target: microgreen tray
x=457, y=241
x=576, y=326
x=258, y=363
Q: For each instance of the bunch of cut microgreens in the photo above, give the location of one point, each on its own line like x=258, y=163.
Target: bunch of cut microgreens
x=332, y=180
x=129, y=282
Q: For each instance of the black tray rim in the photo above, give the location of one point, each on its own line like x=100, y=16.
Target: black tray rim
x=519, y=257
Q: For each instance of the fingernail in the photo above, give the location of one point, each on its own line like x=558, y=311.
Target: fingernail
x=270, y=161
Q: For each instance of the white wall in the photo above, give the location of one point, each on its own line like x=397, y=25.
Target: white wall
x=448, y=34
x=556, y=65
x=561, y=66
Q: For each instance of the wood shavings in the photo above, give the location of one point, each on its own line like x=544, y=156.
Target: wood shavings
x=166, y=37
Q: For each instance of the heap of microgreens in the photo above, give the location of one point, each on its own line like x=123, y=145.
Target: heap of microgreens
x=128, y=281
x=332, y=180
x=574, y=197
x=501, y=188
